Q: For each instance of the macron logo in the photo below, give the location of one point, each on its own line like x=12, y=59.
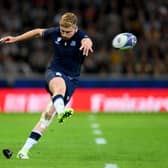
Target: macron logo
x=58, y=40
x=73, y=43
x=58, y=74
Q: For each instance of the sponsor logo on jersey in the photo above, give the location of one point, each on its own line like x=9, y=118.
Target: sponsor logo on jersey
x=58, y=74
x=73, y=43
x=58, y=40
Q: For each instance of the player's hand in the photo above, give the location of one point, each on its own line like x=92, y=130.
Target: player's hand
x=86, y=46
x=8, y=39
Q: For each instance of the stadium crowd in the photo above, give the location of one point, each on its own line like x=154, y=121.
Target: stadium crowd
x=102, y=20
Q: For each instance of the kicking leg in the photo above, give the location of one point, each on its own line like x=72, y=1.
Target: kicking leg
x=58, y=88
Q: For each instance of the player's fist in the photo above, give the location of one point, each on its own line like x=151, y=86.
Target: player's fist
x=8, y=39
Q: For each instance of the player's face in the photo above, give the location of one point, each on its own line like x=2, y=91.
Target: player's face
x=67, y=32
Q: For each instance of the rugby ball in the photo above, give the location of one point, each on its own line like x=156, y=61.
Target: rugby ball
x=124, y=41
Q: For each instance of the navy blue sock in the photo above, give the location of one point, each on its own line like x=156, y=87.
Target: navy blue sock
x=56, y=97
x=34, y=135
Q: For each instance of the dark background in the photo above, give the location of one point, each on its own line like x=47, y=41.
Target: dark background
x=102, y=20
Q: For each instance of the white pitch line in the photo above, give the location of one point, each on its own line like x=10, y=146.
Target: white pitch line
x=100, y=141
x=109, y=165
x=95, y=125
x=97, y=132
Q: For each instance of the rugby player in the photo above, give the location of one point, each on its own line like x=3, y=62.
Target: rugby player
x=71, y=45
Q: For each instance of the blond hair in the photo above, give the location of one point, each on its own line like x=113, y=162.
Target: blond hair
x=68, y=19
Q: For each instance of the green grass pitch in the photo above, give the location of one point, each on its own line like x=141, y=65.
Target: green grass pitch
x=132, y=141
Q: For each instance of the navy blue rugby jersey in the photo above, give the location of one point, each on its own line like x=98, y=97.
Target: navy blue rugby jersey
x=67, y=57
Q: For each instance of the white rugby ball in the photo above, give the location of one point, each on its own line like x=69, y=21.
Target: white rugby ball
x=124, y=41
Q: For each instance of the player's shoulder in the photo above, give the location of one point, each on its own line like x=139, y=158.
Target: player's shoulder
x=81, y=34
x=52, y=30
x=81, y=31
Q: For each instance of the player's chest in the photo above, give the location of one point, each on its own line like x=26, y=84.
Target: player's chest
x=70, y=44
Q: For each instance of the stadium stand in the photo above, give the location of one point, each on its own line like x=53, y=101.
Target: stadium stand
x=102, y=19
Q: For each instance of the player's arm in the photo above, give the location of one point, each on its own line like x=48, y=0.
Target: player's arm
x=35, y=33
x=86, y=46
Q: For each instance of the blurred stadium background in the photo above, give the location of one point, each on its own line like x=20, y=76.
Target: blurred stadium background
x=123, y=84
x=124, y=77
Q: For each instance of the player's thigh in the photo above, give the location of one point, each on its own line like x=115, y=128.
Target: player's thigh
x=57, y=85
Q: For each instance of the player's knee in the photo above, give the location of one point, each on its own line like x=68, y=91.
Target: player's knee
x=57, y=86
x=48, y=116
x=45, y=120
x=58, y=91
